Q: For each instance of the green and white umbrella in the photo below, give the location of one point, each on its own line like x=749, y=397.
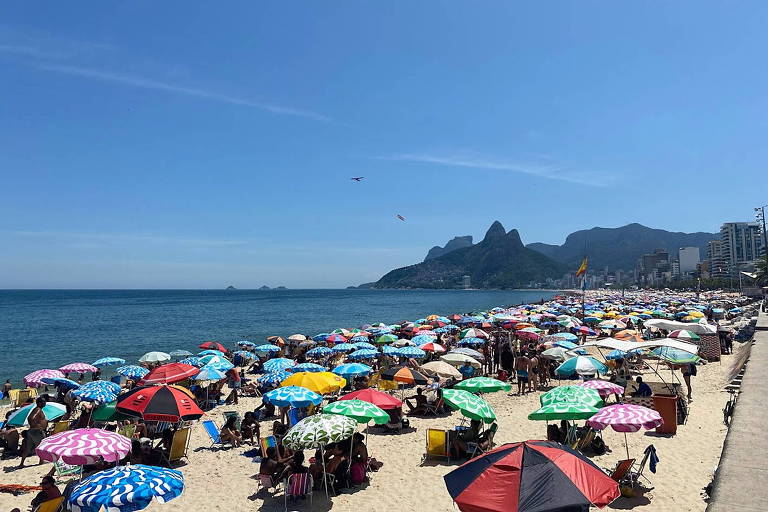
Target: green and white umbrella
x=470, y=405
x=573, y=395
x=564, y=411
x=483, y=385
x=51, y=410
x=319, y=430
x=358, y=410
x=154, y=357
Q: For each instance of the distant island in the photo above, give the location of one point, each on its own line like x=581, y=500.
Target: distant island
x=265, y=287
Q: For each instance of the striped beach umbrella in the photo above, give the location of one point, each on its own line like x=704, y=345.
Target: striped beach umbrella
x=572, y=394
x=218, y=362
x=482, y=385
x=358, y=410
x=603, y=387
x=78, y=368
x=192, y=361
x=208, y=373
x=336, y=338
x=411, y=352
x=213, y=345
x=155, y=357
x=432, y=347
x=626, y=418
x=563, y=411
x=132, y=371
x=126, y=489
x=386, y=339
x=684, y=335
x=319, y=352
x=266, y=348
x=98, y=391
x=471, y=406
x=403, y=374
x=307, y=367
x=292, y=396
x=51, y=410
x=35, y=379
x=343, y=347
x=84, y=446
x=160, y=403
x=352, y=370
x=273, y=379
x=108, y=361
x=278, y=364
x=583, y=365
x=364, y=345
x=473, y=333
x=364, y=354
x=170, y=373
x=210, y=352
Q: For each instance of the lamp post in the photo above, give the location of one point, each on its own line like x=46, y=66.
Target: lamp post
x=760, y=216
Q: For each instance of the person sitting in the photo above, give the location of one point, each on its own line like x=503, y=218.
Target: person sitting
x=249, y=427
x=359, y=459
x=9, y=438
x=295, y=465
x=230, y=434
x=469, y=435
x=270, y=465
x=466, y=370
x=337, y=464
x=420, y=404
x=642, y=389
x=49, y=492
x=264, y=411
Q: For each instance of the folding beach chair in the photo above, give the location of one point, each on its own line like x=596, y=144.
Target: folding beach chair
x=622, y=469
x=65, y=472
x=54, y=505
x=267, y=442
x=179, y=446
x=60, y=426
x=298, y=485
x=22, y=395
x=636, y=471
x=437, y=444
x=127, y=430
x=434, y=408
x=213, y=432
x=486, y=437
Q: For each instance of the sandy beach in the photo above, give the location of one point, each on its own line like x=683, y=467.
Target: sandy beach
x=221, y=478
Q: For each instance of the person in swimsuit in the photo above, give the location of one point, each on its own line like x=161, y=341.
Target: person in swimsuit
x=522, y=367
x=38, y=423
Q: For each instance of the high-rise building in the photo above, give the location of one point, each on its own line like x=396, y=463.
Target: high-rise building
x=742, y=244
x=717, y=264
x=688, y=257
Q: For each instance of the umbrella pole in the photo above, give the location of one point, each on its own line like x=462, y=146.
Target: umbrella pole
x=325, y=480
x=626, y=445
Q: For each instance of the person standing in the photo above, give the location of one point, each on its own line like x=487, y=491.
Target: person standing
x=234, y=382
x=689, y=371
x=38, y=423
x=7, y=389
x=522, y=370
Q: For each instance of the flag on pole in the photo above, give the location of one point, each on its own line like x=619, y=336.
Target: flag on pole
x=582, y=268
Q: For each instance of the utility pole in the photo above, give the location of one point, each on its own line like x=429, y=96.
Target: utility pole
x=760, y=214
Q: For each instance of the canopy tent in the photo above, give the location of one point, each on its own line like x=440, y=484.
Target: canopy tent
x=671, y=325
x=626, y=346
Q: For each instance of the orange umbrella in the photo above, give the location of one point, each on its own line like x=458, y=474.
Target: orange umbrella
x=628, y=335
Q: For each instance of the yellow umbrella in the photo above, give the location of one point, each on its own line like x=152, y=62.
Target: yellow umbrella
x=319, y=382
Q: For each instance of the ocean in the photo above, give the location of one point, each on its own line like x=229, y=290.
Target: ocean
x=51, y=328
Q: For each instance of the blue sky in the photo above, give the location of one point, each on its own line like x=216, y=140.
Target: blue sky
x=182, y=144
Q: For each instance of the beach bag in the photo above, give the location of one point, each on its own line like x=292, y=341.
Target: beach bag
x=357, y=473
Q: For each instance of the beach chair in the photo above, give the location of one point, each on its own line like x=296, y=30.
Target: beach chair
x=60, y=426
x=636, y=471
x=179, y=446
x=127, y=430
x=267, y=442
x=66, y=472
x=437, y=444
x=373, y=381
x=486, y=437
x=54, y=505
x=583, y=443
x=266, y=482
x=22, y=395
x=213, y=432
x=298, y=485
x=621, y=470
x=435, y=407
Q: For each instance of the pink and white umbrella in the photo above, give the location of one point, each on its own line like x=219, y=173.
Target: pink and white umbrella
x=84, y=446
x=35, y=379
x=79, y=368
x=603, y=387
x=432, y=347
x=625, y=418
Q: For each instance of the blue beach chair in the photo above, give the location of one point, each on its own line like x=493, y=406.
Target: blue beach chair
x=213, y=432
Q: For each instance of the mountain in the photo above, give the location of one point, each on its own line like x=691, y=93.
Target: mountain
x=500, y=260
x=619, y=248
x=458, y=242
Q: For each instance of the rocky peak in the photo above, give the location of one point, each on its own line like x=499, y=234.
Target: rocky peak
x=496, y=230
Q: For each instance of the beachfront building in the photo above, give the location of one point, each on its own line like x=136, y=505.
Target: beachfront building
x=717, y=266
x=741, y=245
x=688, y=258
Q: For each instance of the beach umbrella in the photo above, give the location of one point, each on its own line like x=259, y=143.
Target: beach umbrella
x=403, y=374
x=51, y=410
x=213, y=345
x=625, y=418
x=563, y=411
x=107, y=412
x=343, y=347
x=386, y=338
x=297, y=337
x=99, y=391
x=108, y=361
x=277, y=340
x=628, y=335
x=471, y=406
x=170, y=373
x=320, y=337
x=160, y=403
x=208, y=373
x=603, y=387
x=319, y=430
x=126, y=489
x=192, y=361
x=266, y=348
x=210, y=352
x=62, y=383
x=155, y=357
x=471, y=342
x=684, y=335
x=565, y=336
x=320, y=382
x=292, y=396
x=473, y=333
x=35, y=379
x=616, y=354
x=483, y=385
x=440, y=369
x=474, y=354
x=78, y=368
x=364, y=345
x=359, y=410
x=319, y=352
x=556, y=353
x=307, y=367
x=132, y=371
x=278, y=364
x=675, y=355
x=532, y=476
x=84, y=446
x=459, y=359
x=245, y=354
x=218, y=362
x=388, y=350
x=402, y=342
x=375, y=397
x=273, y=379
x=572, y=394
x=411, y=352
x=246, y=344
x=352, y=370
x=432, y=347
x=180, y=353
x=583, y=365
x=364, y=354
x=567, y=345
x=336, y=338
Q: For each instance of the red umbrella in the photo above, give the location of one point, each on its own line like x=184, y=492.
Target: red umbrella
x=336, y=338
x=454, y=318
x=170, y=373
x=160, y=403
x=213, y=345
x=377, y=398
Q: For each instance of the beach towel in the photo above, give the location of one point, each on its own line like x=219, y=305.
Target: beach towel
x=653, y=459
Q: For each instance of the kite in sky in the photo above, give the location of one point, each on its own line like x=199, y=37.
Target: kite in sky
x=357, y=178
x=400, y=217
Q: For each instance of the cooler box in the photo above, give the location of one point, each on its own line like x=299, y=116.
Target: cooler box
x=666, y=406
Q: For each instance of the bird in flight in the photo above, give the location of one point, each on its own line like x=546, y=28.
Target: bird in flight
x=400, y=217
x=357, y=178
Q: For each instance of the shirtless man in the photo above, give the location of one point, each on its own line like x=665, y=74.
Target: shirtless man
x=38, y=424
x=522, y=369
x=533, y=383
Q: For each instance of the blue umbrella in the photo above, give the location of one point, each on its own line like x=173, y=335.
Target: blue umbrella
x=126, y=489
x=359, y=339
x=278, y=364
x=192, y=361
x=293, y=396
x=319, y=352
x=566, y=336
x=363, y=354
x=209, y=373
x=422, y=338
x=107, y=361
x=320, y=337
x=217, y=362
x=360, y=345
x=343, y=347
x=307, y=367
x=583, y=365
x=352, y=370
x=132, y=371
x=245, y=354
x=267, y=348
x=413, y=352
x=211, y=352
x=99, y=391
x=273, y=379
x=469, y=342
x=246, y=344
x=387, y=350
x=180, y=353
x=62, y=383
x=567, y=345
x=616, y=354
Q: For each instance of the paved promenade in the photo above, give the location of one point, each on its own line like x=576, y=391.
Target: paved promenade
x=742, y=480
